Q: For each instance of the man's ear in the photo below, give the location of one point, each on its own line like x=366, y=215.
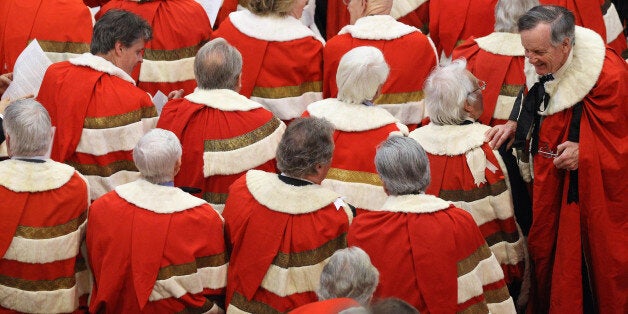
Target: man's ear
x=118, y=46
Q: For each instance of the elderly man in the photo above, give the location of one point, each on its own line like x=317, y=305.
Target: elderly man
x=223, y=133
x=43, y=212
x=577, y=94
x=282, y=229
x=429, y=253
x=152, y=247
x=98, y=112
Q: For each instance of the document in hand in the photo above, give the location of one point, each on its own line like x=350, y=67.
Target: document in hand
x=28, y=72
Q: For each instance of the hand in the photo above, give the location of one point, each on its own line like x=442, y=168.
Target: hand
x=5, y=80
x=498, y=134
x=568, y=153
x=177, y=93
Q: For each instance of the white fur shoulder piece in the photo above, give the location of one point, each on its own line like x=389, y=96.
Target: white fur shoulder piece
x=414, y=203
x=378, y=27
x=401, y=8
x=222, y=99
x=450, y=140
x=351, y=117
x=24, y=176
x=505, y=44
x=157, y=198
x=270, y=28
x=273, y=193
x=100, y=64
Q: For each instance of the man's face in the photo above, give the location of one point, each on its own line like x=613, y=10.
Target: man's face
x=130, y=56
x=545, y=57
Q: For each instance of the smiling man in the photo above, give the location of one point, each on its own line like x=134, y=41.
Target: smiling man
x=576, y=112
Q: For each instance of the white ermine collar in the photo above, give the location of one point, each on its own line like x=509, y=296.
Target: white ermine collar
x=401, y=8
x=450, y=140
x=505, y=44
x=270, y=28
x=414, y=203
x=24, y=176
x=378, y=27
x=222, y=99
x=273, y=193
x=351, y=117
x=157, y=198
x=101, y=64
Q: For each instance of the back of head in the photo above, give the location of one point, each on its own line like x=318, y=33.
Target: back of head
x=218, y=65
x=156, y=155
x=306, y=143
x=508, y=12
x=361, y=72
x=118, y=25
x=268, y=7
x=446, y=90
x=393, y=306
x=403, y=166
x=561, y=21
x=349, y=274
x=27, y=124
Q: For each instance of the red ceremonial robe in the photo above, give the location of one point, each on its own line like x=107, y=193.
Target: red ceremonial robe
x=180, y=28
x=329, y=306
x=223, y=135
x=43, y=213
x=359, y=129
x=63, y=29
x=596, y=227
x=155, y=249
x=282, y=61
x=432, y=255
x=410, y=55
x=281, y=236
x=99, y=115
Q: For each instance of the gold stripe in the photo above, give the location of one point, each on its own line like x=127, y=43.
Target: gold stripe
x=311, y=257
x=354, y=176
x=215, y=198
x=399, y=98
x=192, y=267
x=50, y=232
x=103, y=171
x=172, y=55
x=476, y=308
x=458, y=43
x=468, y=264
x=501, y=236
x=38, y=285
x=198, y=310
x=510, y=90
x=121, y=119
x=252, y=306
x=497, y=296
x=243, y=140
x=473, y=195
x=61, y=47
x=287, y=91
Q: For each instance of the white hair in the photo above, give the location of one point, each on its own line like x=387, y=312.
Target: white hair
x=156, y=155
x=446, y=90
x=27, y=123
x=361, y=72
x=508, y=12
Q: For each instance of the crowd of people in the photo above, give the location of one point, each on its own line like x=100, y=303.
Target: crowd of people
x=376, y=156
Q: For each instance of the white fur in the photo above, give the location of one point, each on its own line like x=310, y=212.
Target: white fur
x=487, y=271
x=508, y=253
x=378, y=27
x=157, y=198
x=100, y=142
x=503, y=107
x=46, y=250
x=411, y=112
x=177, y=286
x=614, y=28
x=99, y=186
x=351, y=117
x=289, y=107
x=222, y=99
x=414, y=204
x=100, y=64
x=23, y=176
x=489, y=208
x=450, y=140
x=361, y=195
x=507, y=306
x=270, y=28
x=505, y=44
x=401, y=8
x=232, y=309
x=287, y=281
x=161, y=71
x=476, y=160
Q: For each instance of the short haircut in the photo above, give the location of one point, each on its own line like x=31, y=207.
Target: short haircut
x=561, y=21
x=508, y=12
x=361, y=72
x=446, y=90
x=268, y=7
x=306, y=143
x=156, y=155
x=349, y=274
x=28, y=125
x=393, y=306
x=118, y=25
x=217, y=65
x=403, y=166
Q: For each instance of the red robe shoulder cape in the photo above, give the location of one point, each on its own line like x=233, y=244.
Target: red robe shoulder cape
x=330, y=306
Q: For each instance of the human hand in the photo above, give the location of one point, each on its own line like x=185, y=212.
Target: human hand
x=568, y=153
x=498, y=134
x=177, y=93
x=5, y=80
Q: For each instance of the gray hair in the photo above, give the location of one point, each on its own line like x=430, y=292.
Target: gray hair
x=393, y=306
x=217, y=65
x=118, y=26
x=446, y=90
x=403, y=166
x=306, y=143
x=561, y=21
x=156, y=155
x=349, y=274
x=28, y=125
x=508, y=12
x=361, y=72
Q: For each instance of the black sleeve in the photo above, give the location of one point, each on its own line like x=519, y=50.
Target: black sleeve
x=1, y=132
x=574, y=125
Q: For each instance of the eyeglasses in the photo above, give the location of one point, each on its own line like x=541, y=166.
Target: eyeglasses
x=481, y=87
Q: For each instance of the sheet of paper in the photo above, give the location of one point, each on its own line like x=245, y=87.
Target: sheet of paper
x=160, y=99
x=211, y=8
x=28, y=72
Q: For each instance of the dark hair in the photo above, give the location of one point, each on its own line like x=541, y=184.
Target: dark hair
x=306, y=143
x=561, y=21
x=118, y=26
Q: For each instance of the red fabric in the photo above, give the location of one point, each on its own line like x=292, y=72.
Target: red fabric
x=95, y=3
x=419, y=18
x=227, y=7
x=330, y=306
x=59, y=21
x=355, y=151
x=597, y=223
x=337, y=17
